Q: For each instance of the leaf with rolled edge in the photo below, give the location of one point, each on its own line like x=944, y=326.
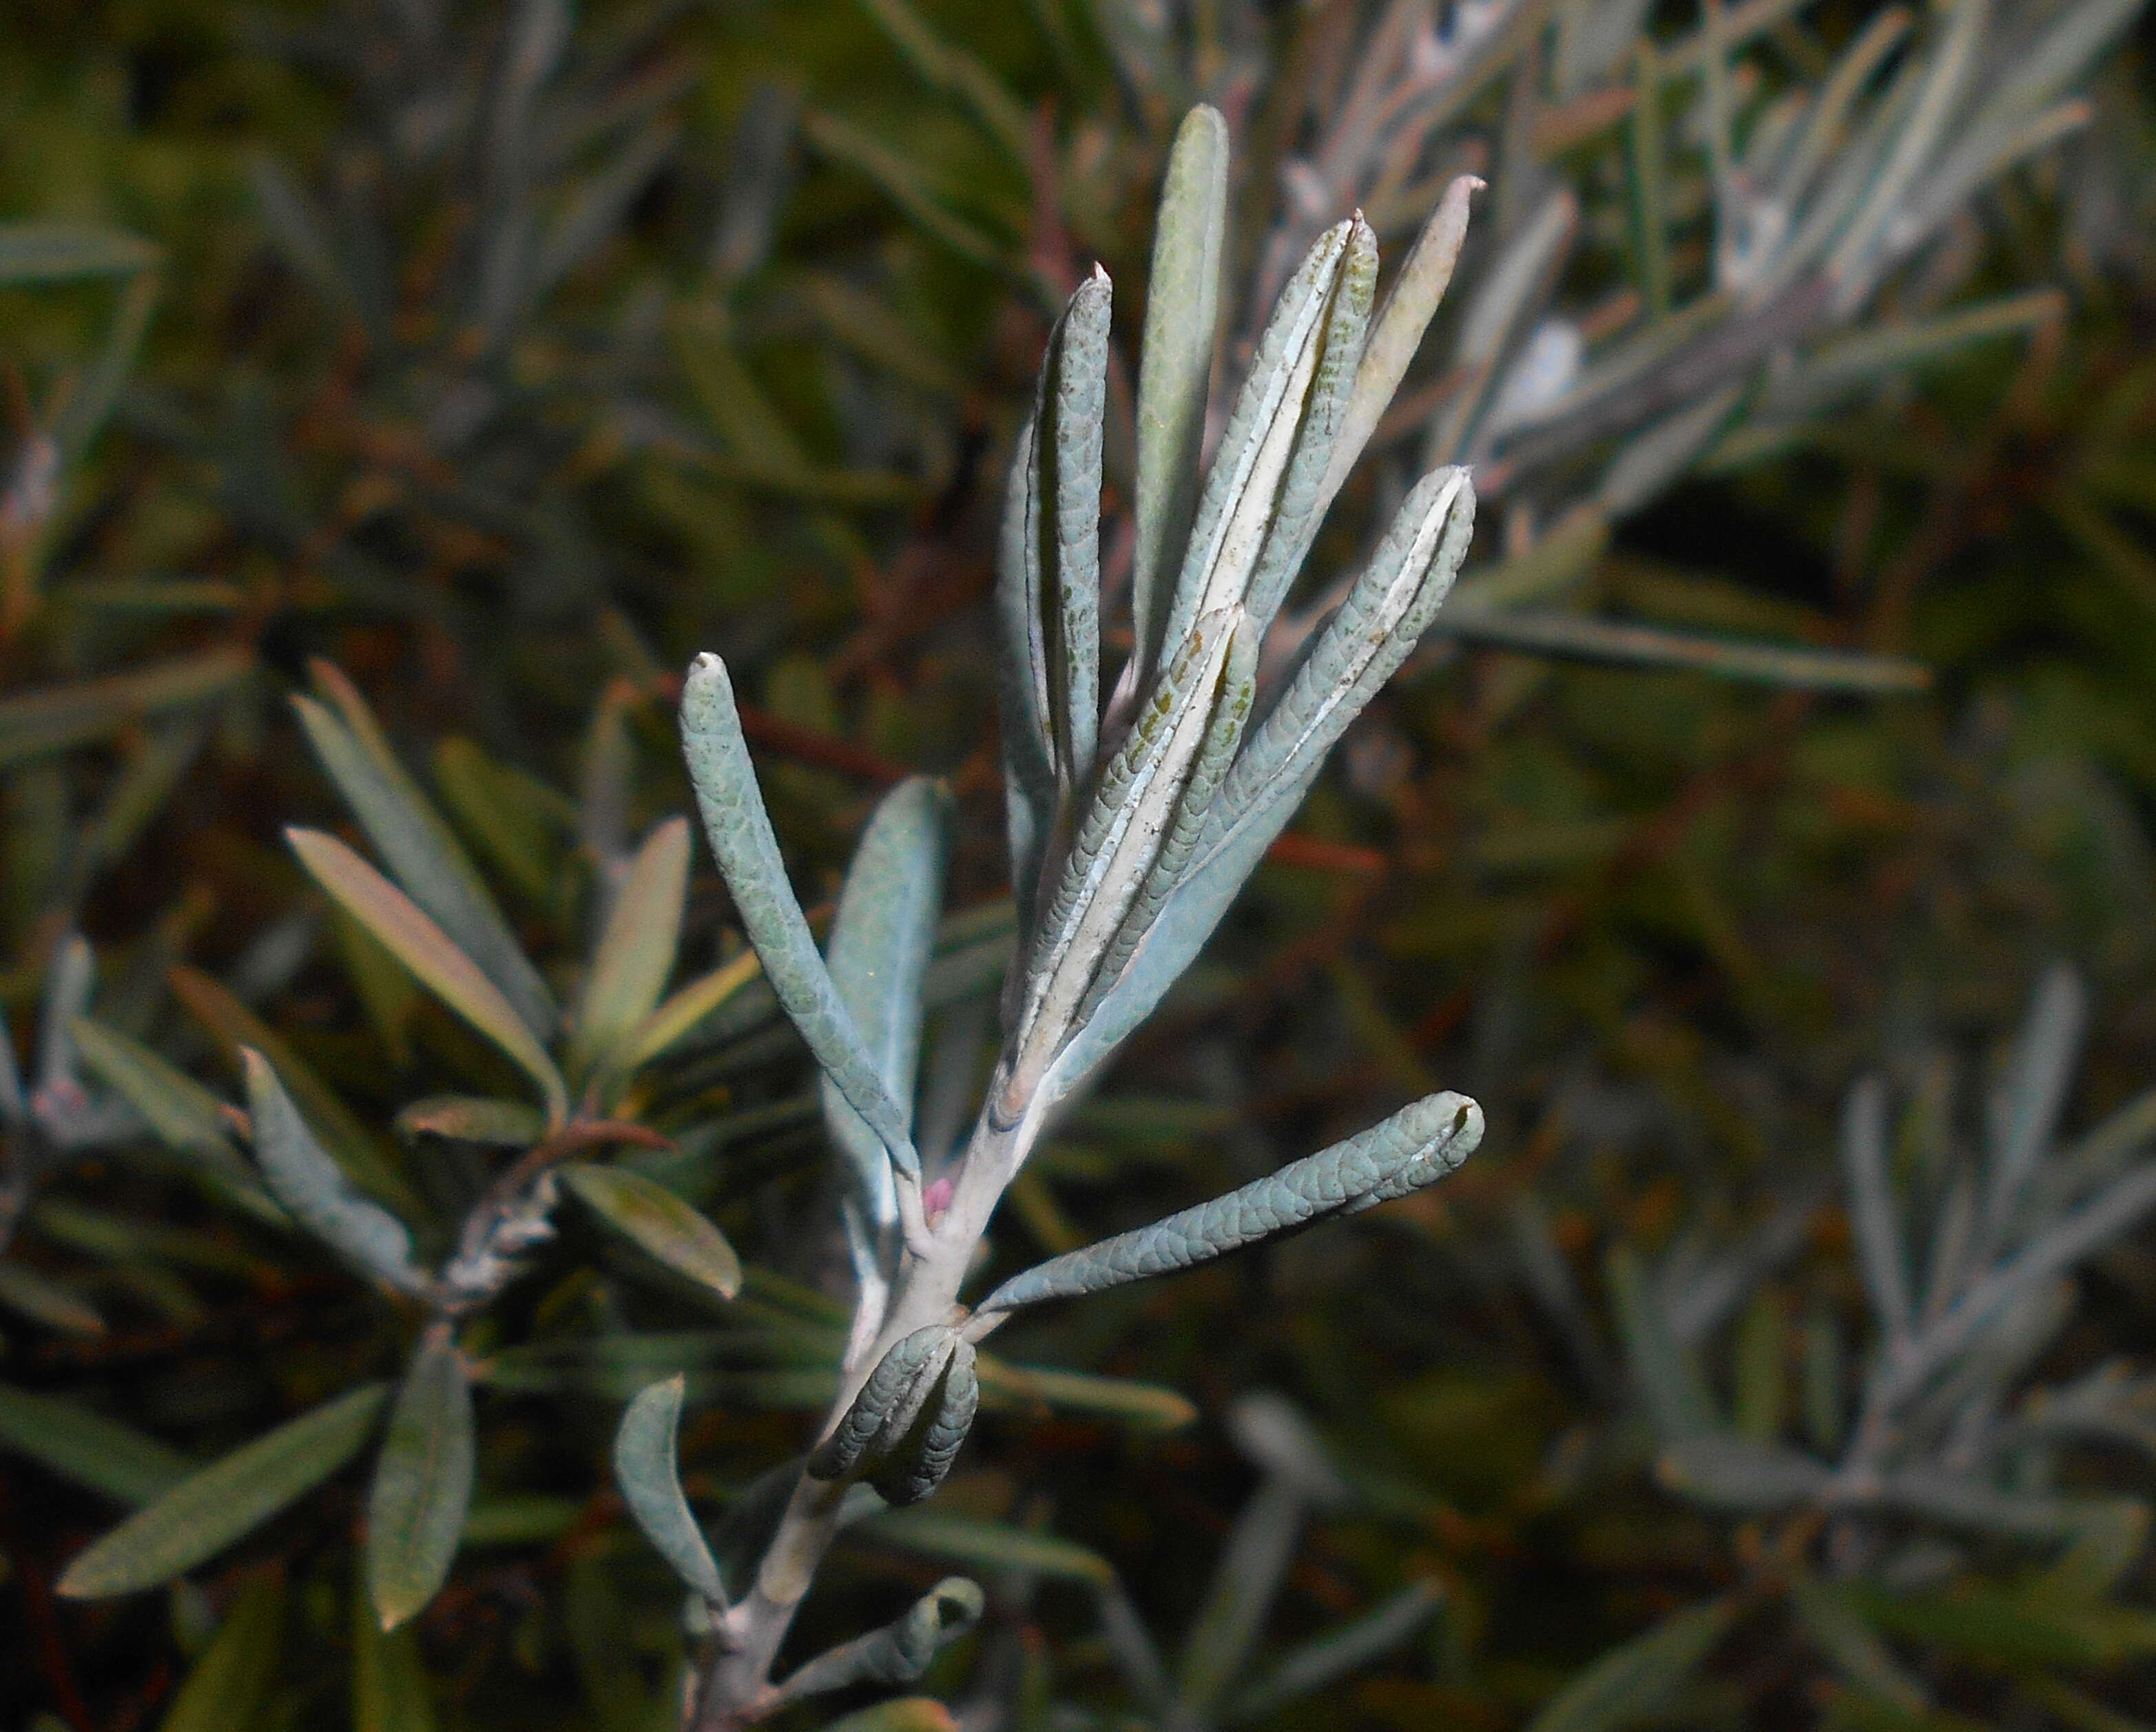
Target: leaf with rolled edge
x=1728, y=1472
x=88, y=1448
x=1401, y=593
x=636, y=950
x=304, y=1178
x=1398, y=333
x=1242, y=488
x=652, y=1217
x=913, y=1466
x=900, y=1652
x=423, y=854
x=646, y=1467
x=889, y=1403
x=1417, y=1146
x=881, y=939
x=205, y=1512
x=740, y=833
x=423, y=1482
x=1298, y=507
x=1175, y=364
x=1123, y=829
x=433, y=958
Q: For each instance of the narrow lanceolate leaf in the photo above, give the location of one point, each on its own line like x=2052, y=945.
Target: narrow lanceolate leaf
x=1122, y=833
x=183, y=1113
x=900, y=1652
x=423, y=855
x=741, y=836
x=1873, y=1218
x=646, y=1467
x=88, y=1448
x=1636, y=1681
x=422, y=946
x=637, y=949
x=652, y=1217
x=1224, y=738
x=881, y=939
x=1243, y=486
x=423, y=1482
x=203, y=1514
x=302, y=1176
x=230, y=1686
x=1297, y=509
x=1398, y=331
x=1416, y=1146
x=684, y=1009
x=1183, y=312
x=2032, y=1092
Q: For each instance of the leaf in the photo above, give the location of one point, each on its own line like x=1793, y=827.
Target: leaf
x=959, y=75
x=1417, y=1146
x=988, y=1545
x=652, y=1217
x=881, y=939
x=1636, y=1681
x=32, y=253
x=206, y=1512
x=1409, y=308
x=427, y=950
x=646, y=1468
x=1854, y=1648
x=515, y=820
x=229, y=1688
x=1873, y=1218
x=423, y=1482
x=900, y=1652
x=472, y=1118
x=1245, y=1579
x=303, y=1178
x=2025, y=1119
x=1624, y=642
x=1145, y=1406
x=88, y=1448
x=900, y=182
x=1183, y=316
x=421, y=852
x=1725, y=1471
x=37, y=722
x=678, y=1016
x=741, y=836
x=1318, y=1665
x=29, y=1294
x=888, y=1404
x=389, y=1677
x=637, y=949
x=1666, y=1377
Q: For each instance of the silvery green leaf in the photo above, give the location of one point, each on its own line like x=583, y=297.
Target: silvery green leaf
x=1624, y=642
x=68, y=979
x=423, y=1482
x=880, y=942
x=2025, y=1116
x=889, y=1403
x=1873, y=1216
x=423, y=854
x=1503, y=303
x=646, y=1467
x=1300, y=502
x=740, y=833
x=1725, y=1471
x=900, y=1652
x=1319, y=1664
x=1216, y=753
x=916, y=1465
x=1242, y=488
x=1409, y=308
x=1245, y=1580
x=637, y=949
x=303, y=1177
x=1122, y=833
x=1416, y=1146
x=206, y=1512
x=1183, y=310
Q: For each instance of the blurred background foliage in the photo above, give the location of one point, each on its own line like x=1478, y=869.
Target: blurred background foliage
x=503, y=355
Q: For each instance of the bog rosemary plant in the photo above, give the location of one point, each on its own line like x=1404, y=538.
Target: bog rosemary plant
x=1135, y=811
